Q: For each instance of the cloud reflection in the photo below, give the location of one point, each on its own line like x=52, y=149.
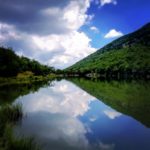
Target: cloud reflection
x=65, y=117
x=112, y=114
x=52, y=116
x=103, y=146
x=55, y=130
x=64, y=98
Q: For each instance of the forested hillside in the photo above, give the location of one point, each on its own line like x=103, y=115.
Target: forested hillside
x=129, y=54
x=12, y=64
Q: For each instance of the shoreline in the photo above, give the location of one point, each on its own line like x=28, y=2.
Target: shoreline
x=4, y=81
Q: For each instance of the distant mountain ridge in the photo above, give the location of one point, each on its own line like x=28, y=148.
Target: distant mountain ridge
x=141, y=36
x=128, y=53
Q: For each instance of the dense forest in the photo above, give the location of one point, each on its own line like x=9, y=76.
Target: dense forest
x=12, y=64
x=128, y=55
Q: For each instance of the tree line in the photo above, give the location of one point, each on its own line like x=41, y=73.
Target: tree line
x=12, y=64
x=125, y=62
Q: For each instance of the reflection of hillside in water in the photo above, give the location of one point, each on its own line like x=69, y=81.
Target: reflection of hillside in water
x=9, y=93
x=131, y=98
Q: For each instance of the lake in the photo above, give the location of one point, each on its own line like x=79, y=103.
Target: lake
x=82, y=114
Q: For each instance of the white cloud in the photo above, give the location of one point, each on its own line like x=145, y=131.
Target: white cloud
x=71, y=47
x=95, y=29
x=7, y=32
x=75, y=14
x=113, y=33
x=56, y=40
x=89, y=19
x=112, y=114
x=104, y=2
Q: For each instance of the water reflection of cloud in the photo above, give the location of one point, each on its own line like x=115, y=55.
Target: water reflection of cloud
x=93, y=118
x=112, y=114
x=67, y=118
x=48, y=128
x=52, y=115
x=64, y=97
x=104, y=146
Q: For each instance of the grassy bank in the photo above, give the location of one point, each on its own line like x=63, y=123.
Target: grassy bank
x=9, y=116
x=25, y=79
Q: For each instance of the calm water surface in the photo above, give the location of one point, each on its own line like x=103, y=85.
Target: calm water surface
x=87, y=115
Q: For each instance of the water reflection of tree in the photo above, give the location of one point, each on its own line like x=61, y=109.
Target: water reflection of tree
x=9, y=93
x=131, y=98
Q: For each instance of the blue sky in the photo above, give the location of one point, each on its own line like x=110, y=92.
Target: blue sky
x=125, y=16
x=60, y=33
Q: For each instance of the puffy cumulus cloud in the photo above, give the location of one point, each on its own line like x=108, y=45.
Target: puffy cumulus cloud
x=104, y=2
x=95, y=29
x=68, y=48
x=112, y=114
x=75, y=14
x=7, y=32
x=47, y=31
x=113, y=33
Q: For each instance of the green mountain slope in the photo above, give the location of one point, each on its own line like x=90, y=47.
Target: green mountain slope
x=129, y=53
x=12, y=64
